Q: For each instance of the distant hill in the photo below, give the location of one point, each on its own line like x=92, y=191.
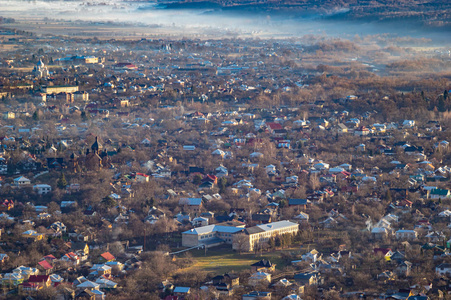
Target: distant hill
x=435, y=13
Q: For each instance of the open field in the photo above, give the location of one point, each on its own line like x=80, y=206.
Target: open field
x=223, y=259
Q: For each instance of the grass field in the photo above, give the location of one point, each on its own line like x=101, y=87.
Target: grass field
x=220, y=260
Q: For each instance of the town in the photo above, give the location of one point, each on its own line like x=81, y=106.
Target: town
x=143, y=168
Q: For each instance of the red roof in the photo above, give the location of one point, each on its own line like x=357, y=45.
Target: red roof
x=45, y=265
x=383, y=251
x=107, y=256
x=142, y=174
x=27, y=284
x=38, y=278
x=274, y=126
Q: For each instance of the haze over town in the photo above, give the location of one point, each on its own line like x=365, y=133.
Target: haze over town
x=225, y=149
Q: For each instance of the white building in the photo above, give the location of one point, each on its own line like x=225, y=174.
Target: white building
x=42, y=189
x=21, y=181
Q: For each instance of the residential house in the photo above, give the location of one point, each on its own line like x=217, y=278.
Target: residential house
x=194, y=204
x=307, y=278
x=34, y=284
x=107, y=256
x=21, y=181
x=300, y=204
x=42, y=189
x=259, y=278
x=406, y=235
x=443, y=269
x=6, y=205
x=181, y=291
x=257, y=296
x=439, y=194
x=263, y=266
x=71, y=257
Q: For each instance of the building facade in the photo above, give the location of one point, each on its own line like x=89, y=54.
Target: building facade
x=260, y=234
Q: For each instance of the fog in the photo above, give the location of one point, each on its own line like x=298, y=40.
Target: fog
x=258, y=24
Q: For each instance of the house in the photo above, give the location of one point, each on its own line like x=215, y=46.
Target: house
x=26, y=272
x=231, y=279
x=71, y=257
x=404, y=269
x=106, y=283
x=181, y=291
x=439, y=194
x=408, y=123
x=379, y=233
x=32, y=234
x=37, y=282
x=302, y=217
x=194, y=204
x=141, y=177
x=257, y=296
x=361, y=131
x=406, y=235
x=45, y=266
x=341, y=128
x=385, y=252
x=263, y=265
x=107, y=256
x=146, y=142
x=42, y=189
x=21, y=181
x=80, y=248
x=443, y=269
x=7, y=115
x=12, y=279
x=259, y=278
x=58, y=227
x=6, y=205
x=299, y=203
x=85, y=294
x=311, y=256
x=3, y=257
x=307, y=278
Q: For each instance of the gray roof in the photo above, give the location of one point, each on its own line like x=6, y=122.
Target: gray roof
x=269, y=227
x=213, y=228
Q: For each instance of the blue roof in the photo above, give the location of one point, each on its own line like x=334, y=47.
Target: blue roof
x=297, y=201
x=191, y=201
x=181, y=289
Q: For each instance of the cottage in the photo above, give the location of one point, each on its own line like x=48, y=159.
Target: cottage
x=21, y=181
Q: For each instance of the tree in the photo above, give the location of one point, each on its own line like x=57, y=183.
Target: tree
x=441, y=105
x=84, y=115
x=222, y=184
x=272, y=242
x=62, y=182
x=197, y=179
x=36, y=116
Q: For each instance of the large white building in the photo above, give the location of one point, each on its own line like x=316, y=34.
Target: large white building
x=242, y=239
x=260, y=234
x=209, y=236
